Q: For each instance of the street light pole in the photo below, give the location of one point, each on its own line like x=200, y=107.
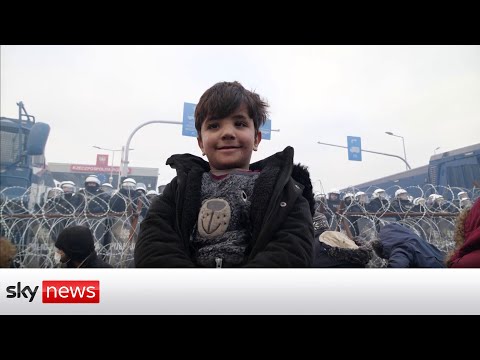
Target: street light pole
x=435, y=151
x=403, y=142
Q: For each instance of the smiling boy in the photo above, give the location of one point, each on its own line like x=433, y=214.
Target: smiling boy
x=228, y=212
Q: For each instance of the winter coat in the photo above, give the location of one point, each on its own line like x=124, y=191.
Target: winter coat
x=400, y=206
x=377, y=205
x=467, y=239
x=73, y=203
x=403, y=248
x=281, y=218
x=121, y=201
x=418, y=209
x=445, y=207
x=54, y=206
x=94, y=203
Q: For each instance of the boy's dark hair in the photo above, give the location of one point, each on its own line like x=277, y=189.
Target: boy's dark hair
x=223, y=98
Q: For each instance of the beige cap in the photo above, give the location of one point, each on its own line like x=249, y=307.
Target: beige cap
x=337, y=239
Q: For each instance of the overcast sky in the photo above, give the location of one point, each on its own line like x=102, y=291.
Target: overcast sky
x=97, y=95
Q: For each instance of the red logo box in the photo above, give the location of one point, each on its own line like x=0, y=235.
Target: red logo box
x=71, y=291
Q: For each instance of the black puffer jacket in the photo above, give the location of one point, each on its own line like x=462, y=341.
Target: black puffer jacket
x=281, y=218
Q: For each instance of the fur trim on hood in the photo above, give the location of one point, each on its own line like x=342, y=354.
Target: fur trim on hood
x=301, y=174
x=361, y=255
x=326, y=256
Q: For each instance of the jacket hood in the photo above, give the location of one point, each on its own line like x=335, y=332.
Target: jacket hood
x=467, y=232
x=360, y=256
x=184, y=163
x=341, y=248
x=326, y=256
x=472, y=225
x=76, y=242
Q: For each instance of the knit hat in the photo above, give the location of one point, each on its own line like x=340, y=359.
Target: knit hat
x=76, y=242
x=337, y=239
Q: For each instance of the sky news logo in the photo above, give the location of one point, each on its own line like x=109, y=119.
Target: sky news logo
x=59, y=292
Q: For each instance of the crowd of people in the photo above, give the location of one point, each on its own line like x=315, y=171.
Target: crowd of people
x=380, y=202
x=62, y=206
x=96, y=198
x=92, y=198
x=354, y=206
